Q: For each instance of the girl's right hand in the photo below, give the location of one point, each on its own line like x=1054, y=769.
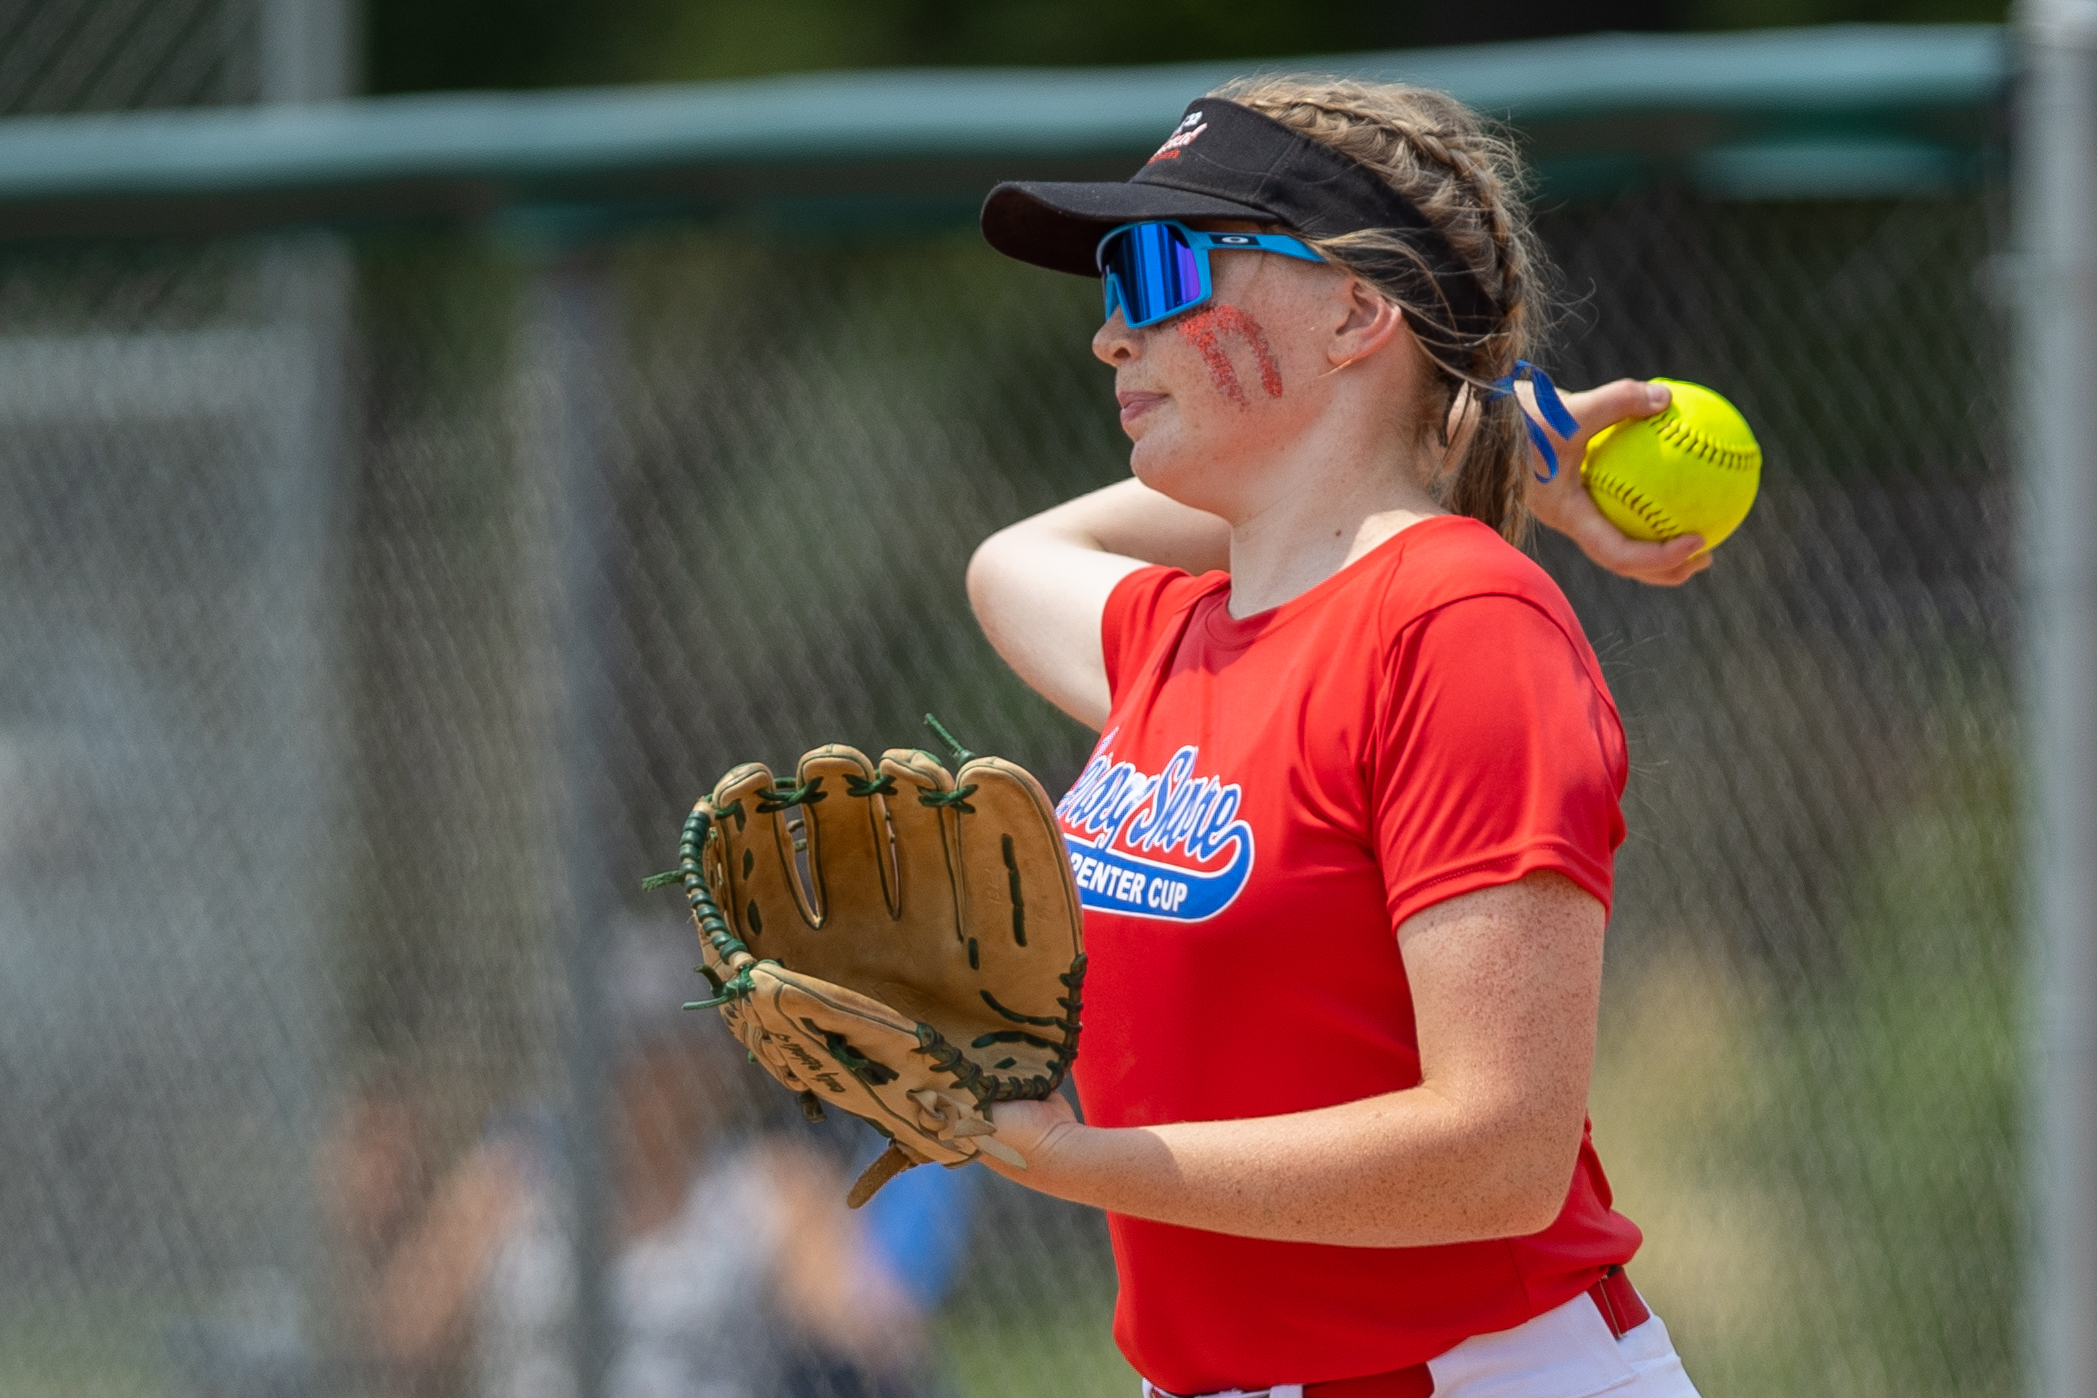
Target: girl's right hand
x=1564, y=504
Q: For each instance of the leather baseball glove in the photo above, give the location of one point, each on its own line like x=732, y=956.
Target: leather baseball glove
x=897, y=940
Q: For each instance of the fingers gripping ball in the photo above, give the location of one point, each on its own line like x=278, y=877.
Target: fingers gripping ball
x=897, y=940
x=1691, y=468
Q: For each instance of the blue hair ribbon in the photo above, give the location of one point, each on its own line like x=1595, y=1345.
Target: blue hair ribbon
x=1548, y=403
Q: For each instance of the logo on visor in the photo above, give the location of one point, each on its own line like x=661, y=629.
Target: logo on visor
x=1182, y=136
x=1169, y=846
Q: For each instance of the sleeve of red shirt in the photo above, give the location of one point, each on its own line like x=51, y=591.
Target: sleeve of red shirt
x=1140, y=611
x=1497, y=753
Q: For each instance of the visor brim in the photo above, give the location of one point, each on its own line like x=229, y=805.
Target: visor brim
x=1059, y=225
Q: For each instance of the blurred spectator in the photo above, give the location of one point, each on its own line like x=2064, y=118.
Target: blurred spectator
x=736, y=1270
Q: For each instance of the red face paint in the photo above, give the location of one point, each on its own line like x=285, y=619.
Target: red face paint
x=1204, y=330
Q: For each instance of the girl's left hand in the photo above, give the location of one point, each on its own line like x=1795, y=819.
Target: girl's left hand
x=1564, y=504
x=1036, y=1130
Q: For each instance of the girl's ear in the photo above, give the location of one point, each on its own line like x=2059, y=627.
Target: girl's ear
x=1369, y=321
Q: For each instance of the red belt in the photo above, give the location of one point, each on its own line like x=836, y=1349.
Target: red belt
x=1614, y=1296
x=1623, y=1310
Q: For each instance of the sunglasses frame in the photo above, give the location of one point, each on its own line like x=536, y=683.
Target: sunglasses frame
x=1201, y=244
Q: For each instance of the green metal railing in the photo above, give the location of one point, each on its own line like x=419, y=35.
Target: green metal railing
x=1874, y=110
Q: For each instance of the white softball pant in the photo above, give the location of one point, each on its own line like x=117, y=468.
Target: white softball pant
x=1563, y=1353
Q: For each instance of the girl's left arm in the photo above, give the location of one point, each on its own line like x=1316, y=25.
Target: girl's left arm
x=1506, y=985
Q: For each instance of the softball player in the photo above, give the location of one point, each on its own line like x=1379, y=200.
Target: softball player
x=1345, y=844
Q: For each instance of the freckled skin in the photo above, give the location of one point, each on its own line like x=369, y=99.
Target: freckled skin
x=1204, y=330
x=1506, y=985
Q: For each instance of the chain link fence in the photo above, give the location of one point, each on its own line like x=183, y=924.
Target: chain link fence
x=373, y=616
x=104, y=55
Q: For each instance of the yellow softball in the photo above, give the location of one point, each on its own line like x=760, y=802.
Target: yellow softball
x=1691, y=468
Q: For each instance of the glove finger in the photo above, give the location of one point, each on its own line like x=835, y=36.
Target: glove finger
x=1025, y=928
x=763, y=890
x=923, y=812
x=1017, y=879
x=713, y=868
x=848, y=853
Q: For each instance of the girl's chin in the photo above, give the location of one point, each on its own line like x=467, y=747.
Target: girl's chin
x=1174, y=474
x=1154, y=465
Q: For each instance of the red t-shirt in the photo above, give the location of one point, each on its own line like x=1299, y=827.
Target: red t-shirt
x=1269, y=800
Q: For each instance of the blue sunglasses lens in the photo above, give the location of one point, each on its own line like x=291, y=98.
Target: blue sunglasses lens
x=1155, y=270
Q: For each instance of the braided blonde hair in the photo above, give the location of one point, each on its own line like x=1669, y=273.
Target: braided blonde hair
x=1468, y=182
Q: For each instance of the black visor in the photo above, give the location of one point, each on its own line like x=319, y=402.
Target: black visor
x=1228, y=161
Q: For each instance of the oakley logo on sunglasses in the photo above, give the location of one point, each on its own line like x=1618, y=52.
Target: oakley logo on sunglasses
x=1182, y=136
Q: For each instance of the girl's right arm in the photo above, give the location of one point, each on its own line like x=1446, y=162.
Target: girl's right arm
x=1040, y=586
